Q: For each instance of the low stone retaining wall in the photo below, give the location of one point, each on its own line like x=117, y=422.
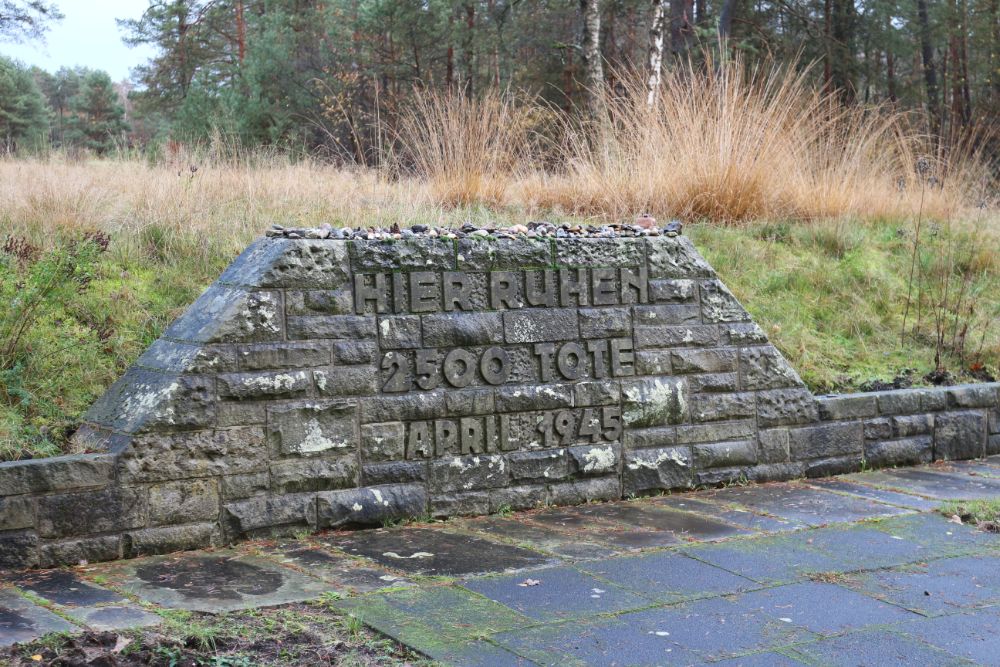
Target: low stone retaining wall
x=326, y=383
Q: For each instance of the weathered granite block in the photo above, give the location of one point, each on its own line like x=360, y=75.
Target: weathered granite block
x=339, y=301
x=813, y=442
x=168, y=539
x=673, y=291
x=835, y=408
x=17, y=512
x=144, y=400
x=654, y=402
x=703, y=361
x=719, y=305
x=908, y=451
x=383, y=442
x=610, y=252
x=237, y=487
x=394, y=472
x=724, y=454
x=285, y=512
x=519, y=398
x=279, y=384
x=765, y=368
x=747, y=333
x=457, y=329
x=716, y=431
x=230, y=315
x=592, y=460
x=338, y=327
x=647, y=438
x=468, y=473
x=715, y=383
x=399, y=332
x=354, y=352
x=537, y=326
x=424, y=254
x=675, y=258
x=186, y=501
x=671, y=315
x=718, y=407
x=576, y=492
x=960, y=435
x=774, y=446
x=653, y=362
x=314, y=474
x=75, y=552
x=170, y=356
x=838, y=465
x=312, y=427
x=605, y=322
x=464, y=402
x=493, y=254
x=301, y=263
x=63, y=473
x=518, y=498
x=408, y=407
x=346, y=381
x=18, y=549
x=898, y=402
x=540, y=466
x=89, y=512
x=372, y=506
x=694, y=335
x=598, y=392
x=973, y=396
x=184, y=455
x=275, y=356
x=786, y=407
x=648, y=470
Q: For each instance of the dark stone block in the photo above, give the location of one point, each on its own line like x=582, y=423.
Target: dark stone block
x=540, y=466
x=670, y=315
x=909, y=425
x=652, y=362
x=909, y=451
x=598, y=392
x=719, y=305
x=675, y=258
x=394, y=472
x=301, y=263
x=188, y=358
x=241, y=386
x=89, y=512
x=540, y=325
x=718, y=407
x=765, y=368
x=973, y=396
x=143, y=400
x=835, y=408
x=408, y=407
x=158, y=457
x=343, y=327
x=591, y=460
x=657, y=470
x=518, y=498
x=458, y=329
x=237, y=487
x=773, y=445
x=372, y=506
x=826, y=441
x=186, y=501
x=354, y=352
x=399, y=332
x=153, y=541
x=745, y=334
x=17, y=512
x=493, y=254
x=673, y=291
x=960, y=435
x=725, y=454
x=605, y=322
x=466, y=473
x=240, y=413
x=659, y=401
x=695, y=335
x=703, y=361
x=905, y=401
x=776, y=472
x=786, y=407
x=18, y=550
x=715, y=383
x=230, y=315
x=598, y=252
x=383, y=442
x=272, y=356
x=521, y=398
x=932, y=400
x=62, y=473
x=248, y=517
x=465, y=402
x=423, y=254
x=345, y=381
x=878, y=429
x=715, y=432
x=300, y=475
x=722, y=476
x=462, y=503
x=339, y=301
x=74, y=552
x=838, y=465
x=577, y=492
x=647, y=438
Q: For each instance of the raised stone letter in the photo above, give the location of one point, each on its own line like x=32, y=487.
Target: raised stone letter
x=506, y=444
x=459, y=368
x=570, y=361
x=622, y=357
x=445, y=437
x=364, y=293
x=399, y=292
x=598, y=348
x=635, y=285
x=573, y=288
x=472, y=435
x=399, y=380
x=602, y=282
x=426, y=369
x=423, y=292
x=419, y=444
x=457, y=291
x=495, y=365
x=503, y=290
x=544, y=295
x=544, y=352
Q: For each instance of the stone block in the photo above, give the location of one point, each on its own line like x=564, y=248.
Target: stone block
x=354, y=352
x=904, y=401
x=518, y=498
x=960, y=435
x=288, y=354
x=468, y=473
x=598, y=252
x=463, y=503
x=675, y=258
x=61, y=473
x=598, y=392
x=910, y=425
x=541, y=325
x=703, y=361
x=671, y=315
x=240, y=413
x=462, y=329
x=722, y=476
x=724, y=454
x=828, y=440
x=383, y=442
x=75, y=552
x=422, y=254
x=973, y=396
x=185, y=501
x=652, y=362
x=521, y=398
x=169, y=356
x=908, y=451
x=394, y=472
x=648, y=438
x=465, y=402
x=932, y=400
x=280, y=384
x=836, y=408
x=301, y=475
x=18, y=550
x=579, y=491
x=372, y=506
x=258, y=515
x=345, y=381
x=170, y=539
x=786, y=407
x=746, y=333
x=765, y=368
x=719, y=407
x=878, y=429
x=592, y=460
x=773, y=445
x=399, y=332
x=994, y=421
x=714, y=383
x=17, y=512
x=161, y=457
x=338, y=301
x=715, y=432
x=654, y=401
x=993, y=445
x=237, y=487
x=230, y=315
x=407, y=407
x=336, y=327
x=719, y=305
x=776, y=472
x=496, y=254
x=143, y=400
x=673, y=291
x=540, y=466
x=301, y=263
x=837, y=465
x=660, y=469
x=89, y=512
x=694, y=335
x=312, y=427
x=605, y=322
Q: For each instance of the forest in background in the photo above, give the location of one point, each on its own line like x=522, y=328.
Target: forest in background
x=331, y=78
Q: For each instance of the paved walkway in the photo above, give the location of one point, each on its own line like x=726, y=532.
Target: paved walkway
x=853, y=570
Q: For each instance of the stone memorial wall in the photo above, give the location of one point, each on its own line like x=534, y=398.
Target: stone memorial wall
x=338, y=383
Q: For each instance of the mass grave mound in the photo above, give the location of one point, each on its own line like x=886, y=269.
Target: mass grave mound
x=330, y=383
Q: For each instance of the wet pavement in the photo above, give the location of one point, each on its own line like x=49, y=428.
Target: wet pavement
x=853, y=570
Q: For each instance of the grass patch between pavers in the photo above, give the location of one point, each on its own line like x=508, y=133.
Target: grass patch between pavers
x=982, y=513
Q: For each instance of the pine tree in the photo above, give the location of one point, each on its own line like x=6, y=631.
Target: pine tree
x=24, y=119
x=98, y=120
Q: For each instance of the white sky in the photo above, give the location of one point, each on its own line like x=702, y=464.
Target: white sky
x=88, y=36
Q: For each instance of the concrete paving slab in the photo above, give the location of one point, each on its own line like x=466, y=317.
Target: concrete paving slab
x=433, y=619
x=22, y=621
x=876, y=649
x=479, y=654
x=944, y=586
x=769, y=560
x=941, y=536
x=739, y=516
x=936, y=485
x=669, y=577
x=686, y=525
x=536, y=537
x=768, y=659
x=865, y=546
x=437, y=552
x=558, y=593
x=565, y=518
x=637, y=539
x=610, y=642
x=212, y=582
x=798, y=502
x=114, y=617
x=874, y=493
x=344, y=574
x=975, y=468
x=823, y=608
x=974, y=636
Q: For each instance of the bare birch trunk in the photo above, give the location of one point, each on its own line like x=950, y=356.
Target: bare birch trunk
x=593, y=68
x=656, y=39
